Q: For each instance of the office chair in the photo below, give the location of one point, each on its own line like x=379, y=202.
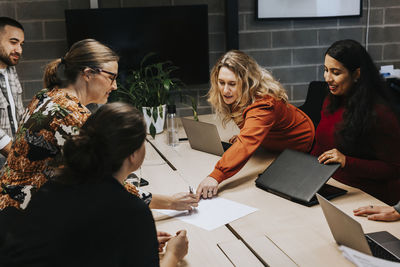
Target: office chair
x=394, y=93
x=317, y=91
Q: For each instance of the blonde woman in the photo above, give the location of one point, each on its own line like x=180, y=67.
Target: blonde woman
x=246, y=93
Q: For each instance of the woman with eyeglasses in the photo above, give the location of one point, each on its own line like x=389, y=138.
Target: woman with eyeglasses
x=81, y=77
x=86, y=74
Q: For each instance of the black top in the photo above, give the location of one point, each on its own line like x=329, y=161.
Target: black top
x=79, y=225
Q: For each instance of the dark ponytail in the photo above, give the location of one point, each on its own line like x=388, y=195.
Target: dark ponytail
x=107, y=138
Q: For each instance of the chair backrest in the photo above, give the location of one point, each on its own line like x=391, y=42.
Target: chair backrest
x=393, y=84
x=317, y=91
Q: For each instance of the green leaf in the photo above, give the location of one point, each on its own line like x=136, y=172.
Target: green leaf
x=150, y=85
x=167, y=84
x=152, y=130
x=160, y=112
x=194, y=107
x=195, y=117
x=155, y=114
x=148, y=111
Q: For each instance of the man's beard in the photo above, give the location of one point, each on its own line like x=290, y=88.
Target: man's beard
x=7, y=58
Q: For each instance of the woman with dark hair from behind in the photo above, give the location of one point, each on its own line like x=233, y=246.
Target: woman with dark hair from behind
x=85, y=217
x=359, y=128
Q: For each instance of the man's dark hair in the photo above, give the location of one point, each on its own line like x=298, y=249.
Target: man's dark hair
x=4, y=21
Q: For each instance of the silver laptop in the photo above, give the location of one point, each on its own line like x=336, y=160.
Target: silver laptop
x=204, y=136
x=349, y=232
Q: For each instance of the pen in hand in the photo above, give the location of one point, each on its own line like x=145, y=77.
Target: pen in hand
x=191, y=192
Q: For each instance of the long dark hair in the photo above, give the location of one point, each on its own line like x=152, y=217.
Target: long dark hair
x=108, y=137
x=359, y=117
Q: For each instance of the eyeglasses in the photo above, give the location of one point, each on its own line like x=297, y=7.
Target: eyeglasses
x=112, y=77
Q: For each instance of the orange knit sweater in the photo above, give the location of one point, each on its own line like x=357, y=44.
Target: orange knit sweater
x=272, y=124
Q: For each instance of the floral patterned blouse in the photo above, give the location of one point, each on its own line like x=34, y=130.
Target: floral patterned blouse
x=36, y=153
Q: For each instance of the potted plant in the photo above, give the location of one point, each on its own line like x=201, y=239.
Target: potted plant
x=148, y=89
x=194, y=107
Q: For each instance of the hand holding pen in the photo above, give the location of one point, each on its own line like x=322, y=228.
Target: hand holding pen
x=184, y=201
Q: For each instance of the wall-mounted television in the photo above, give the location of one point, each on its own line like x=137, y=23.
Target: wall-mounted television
x=175, y=33
x=281, y=9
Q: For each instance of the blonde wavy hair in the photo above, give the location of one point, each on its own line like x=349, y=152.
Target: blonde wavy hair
x=255, y=82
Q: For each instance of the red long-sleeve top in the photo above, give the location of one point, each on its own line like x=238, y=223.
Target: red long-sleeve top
x=379, y=176
x=270, y=123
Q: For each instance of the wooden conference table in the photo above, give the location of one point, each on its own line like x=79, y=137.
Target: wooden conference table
x=280, y=233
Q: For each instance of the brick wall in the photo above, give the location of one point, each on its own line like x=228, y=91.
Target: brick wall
x=45, y=37
x=291, y=49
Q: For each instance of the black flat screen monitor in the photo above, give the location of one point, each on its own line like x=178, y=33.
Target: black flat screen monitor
x=175, y=33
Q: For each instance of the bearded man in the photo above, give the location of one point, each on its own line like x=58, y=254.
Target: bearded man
x=11, y=107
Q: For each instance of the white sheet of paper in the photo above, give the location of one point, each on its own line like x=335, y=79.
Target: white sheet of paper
x=212, y=213
x=364, y=260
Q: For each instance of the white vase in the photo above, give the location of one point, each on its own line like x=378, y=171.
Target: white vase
x=159, y=123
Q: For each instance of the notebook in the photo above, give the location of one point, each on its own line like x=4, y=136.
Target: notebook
x=347, y=231
x=298, y=176
x=204, y=136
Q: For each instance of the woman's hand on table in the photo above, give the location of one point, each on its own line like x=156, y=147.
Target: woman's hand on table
x=207, y=188
x=177, y=247
x=378, y=213
x=332, y=156
x=162, y=238
x=184, y=201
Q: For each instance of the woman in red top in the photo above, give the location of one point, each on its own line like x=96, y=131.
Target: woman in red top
x=358, y=127
x=244, y=92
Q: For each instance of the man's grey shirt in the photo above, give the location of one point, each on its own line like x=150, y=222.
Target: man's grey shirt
x=16, y=91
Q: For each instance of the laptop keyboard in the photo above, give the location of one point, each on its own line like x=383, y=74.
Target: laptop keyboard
x=380, y=252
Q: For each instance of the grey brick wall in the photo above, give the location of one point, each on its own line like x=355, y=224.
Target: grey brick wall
x=291, y=49
x=45, y=37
